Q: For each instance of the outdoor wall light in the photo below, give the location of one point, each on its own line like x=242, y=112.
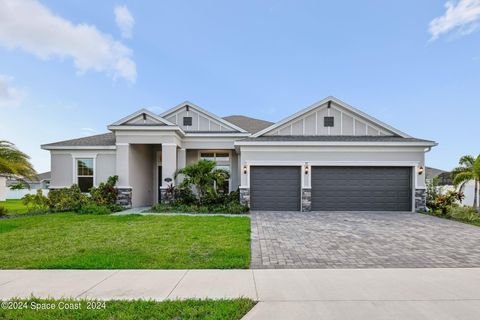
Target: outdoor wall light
x=245, y=169
x=420, y=170
x=306, y=168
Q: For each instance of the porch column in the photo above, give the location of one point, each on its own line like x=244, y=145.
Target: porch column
x=122, y=166
x=181, y=162
x=169, y=166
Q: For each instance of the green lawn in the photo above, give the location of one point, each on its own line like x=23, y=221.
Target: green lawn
x=126, y=310
x=71, y=241
x=14, y=206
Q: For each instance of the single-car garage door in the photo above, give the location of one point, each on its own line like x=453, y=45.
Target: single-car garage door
x=361, y=189
x=275, y=188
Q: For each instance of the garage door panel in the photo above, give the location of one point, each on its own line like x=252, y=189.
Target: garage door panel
x=361, y=189
x=275, y=188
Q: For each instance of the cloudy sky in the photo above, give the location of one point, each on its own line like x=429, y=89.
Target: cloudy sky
x=69, y=68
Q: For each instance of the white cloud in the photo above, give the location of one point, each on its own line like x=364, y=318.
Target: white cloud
x=463, y=16
x=124, y=20
x=9, y=95
x=29, y=25
x=88, y=131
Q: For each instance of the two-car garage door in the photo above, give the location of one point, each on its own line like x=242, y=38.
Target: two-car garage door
x=333, y=188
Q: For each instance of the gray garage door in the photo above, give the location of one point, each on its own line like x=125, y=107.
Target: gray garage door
x=275, y=188
x=361, y=189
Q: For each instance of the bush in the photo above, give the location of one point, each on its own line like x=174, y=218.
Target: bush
x=443, y=203
x=3, y=211
x=106, y=193
x=93, y=208
x=232, y=207
x=67, y=199
x=36, y=202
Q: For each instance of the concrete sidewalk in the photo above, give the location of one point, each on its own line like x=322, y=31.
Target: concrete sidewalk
x=283, y=294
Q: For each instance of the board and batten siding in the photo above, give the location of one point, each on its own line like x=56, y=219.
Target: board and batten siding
x=200, y=121
x=345, y=124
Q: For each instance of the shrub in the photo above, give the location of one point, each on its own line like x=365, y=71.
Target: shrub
x=93, y=208
x=19, y=186
x=36, y=202
x=67, y=199
x=106, y=193
x=184, y=196
x=3, y=211
x=115, y=208
x=468, y=214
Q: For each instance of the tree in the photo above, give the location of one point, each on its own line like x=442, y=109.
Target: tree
x=14, y=163
x=204, y=177
x=469, y=170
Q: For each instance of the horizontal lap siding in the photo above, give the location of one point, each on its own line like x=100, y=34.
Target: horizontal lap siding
x=361, y=189
x=275, y=188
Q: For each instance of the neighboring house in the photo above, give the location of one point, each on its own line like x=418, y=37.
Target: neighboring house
x=40, y=181
x=327, y=157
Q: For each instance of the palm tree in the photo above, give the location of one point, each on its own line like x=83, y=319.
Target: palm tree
x=204, y=176
x=14, y=163
x=469, y=170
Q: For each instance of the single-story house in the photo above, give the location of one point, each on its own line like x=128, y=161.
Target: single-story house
x=329, y=156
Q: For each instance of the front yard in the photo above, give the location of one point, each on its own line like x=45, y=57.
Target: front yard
x=71, y=241
x=81, y=309
x=14, y=206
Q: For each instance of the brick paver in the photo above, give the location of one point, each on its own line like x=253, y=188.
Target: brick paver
x=361, y=240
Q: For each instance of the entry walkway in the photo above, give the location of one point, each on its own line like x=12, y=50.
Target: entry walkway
x=282, y=293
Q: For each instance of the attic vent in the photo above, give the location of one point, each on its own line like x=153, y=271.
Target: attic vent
x=328, y=121
x=187, y=121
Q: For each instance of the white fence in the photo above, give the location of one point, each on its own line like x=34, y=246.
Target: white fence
x=19, y=194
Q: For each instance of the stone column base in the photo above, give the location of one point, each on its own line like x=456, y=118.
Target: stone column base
x=420, y=200
x=165, y=197
x=124, y=197
x=245, y=196
x=306, y=200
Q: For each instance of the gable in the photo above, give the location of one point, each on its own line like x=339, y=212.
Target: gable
x=200, y=120
x=347, y=121
x=142, y=117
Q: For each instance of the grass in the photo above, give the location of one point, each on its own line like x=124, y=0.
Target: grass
x=129, y=310
x=72, y=241
x=14, y=206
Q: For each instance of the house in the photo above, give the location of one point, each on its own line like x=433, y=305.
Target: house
x=329, y=156
x=444, y=177
x=40, y=181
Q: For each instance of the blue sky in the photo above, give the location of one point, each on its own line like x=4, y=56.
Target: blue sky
x=67, y=69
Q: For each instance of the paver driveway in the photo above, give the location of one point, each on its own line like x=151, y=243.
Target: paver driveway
x=361, y=240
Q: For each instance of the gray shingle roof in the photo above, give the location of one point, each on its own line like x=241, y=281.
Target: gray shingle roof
x=105, y=139
x=338, y=139
x=248, y=124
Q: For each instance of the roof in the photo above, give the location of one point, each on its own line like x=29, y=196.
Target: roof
x=251, y=125
x=338, y=139
x=44, y=176
x=99, y=140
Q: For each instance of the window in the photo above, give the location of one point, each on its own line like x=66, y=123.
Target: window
x=223, y=162
x=85, y=174
x=328, y=121
x=187, y=121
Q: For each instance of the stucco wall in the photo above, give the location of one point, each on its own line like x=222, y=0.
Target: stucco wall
x=62, y=170
x=105, y=167
x=141, y=174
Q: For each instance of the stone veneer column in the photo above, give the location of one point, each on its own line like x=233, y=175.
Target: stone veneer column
x=124, y=197
x=306, y=200
x=245, y=196
x=420, y=200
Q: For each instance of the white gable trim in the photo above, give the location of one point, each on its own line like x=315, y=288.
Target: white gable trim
x=348, y=107
x=221, y=121
x=139, y=112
